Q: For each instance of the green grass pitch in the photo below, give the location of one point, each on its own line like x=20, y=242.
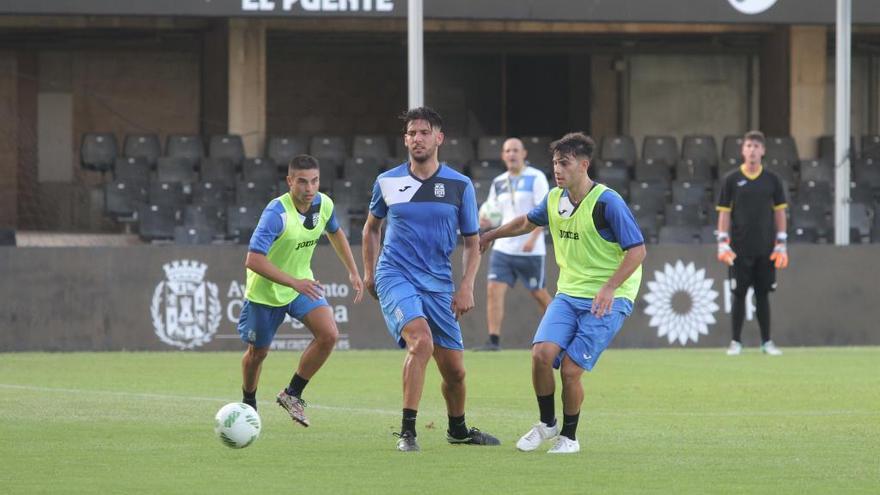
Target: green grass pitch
x=654, y=421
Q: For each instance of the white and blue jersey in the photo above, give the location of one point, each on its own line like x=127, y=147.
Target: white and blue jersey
x=612, y=217
x=516, y=195
x=423, y=220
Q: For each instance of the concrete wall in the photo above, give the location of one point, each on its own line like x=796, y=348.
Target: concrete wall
x=676, y=95
x=66, y=299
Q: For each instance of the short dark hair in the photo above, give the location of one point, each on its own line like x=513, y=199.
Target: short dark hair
x=574, y=143
x=302, y=162
x=754, y=136
x=422, y=113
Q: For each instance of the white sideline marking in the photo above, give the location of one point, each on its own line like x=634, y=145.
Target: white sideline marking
x=483, y=411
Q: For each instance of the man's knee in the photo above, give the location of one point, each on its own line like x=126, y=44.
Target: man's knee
x=257, y=354
x=571, y=372
x=544, y=354
x=419, y=341
x=328, y=337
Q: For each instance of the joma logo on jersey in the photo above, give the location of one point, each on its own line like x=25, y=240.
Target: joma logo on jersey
x=568, y=234
x=305, y=244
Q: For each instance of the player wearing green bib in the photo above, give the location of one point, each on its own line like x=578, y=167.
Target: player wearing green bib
x=599, y=249
x=280, y=282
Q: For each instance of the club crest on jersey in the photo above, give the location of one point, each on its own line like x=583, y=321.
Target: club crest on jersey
x=186, y=308
x=439, y=190
x=315, y=217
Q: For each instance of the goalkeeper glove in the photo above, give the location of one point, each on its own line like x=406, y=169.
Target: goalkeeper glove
x=779, y=257
x=725, y=254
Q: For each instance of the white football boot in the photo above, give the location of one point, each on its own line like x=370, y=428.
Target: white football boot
x=565, y=445
x=534, y=437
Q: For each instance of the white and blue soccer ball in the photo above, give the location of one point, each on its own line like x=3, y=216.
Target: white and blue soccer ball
x=237, y=425
x=491, y=212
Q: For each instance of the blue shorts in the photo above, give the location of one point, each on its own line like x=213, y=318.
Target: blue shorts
x=258, y=323
x=402, y=302
x=569, y=324
x=507, y=268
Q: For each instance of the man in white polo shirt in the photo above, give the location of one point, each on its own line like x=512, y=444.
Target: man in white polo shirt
x=512, y=194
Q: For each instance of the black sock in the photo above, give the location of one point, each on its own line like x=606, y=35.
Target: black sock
x=249, y=398
x=409, y=421
x=738, y=315
x=297, y=384
x=494, y=339
x=547, y=408
x=570, y=425
x=457, y=426
x=762, y=311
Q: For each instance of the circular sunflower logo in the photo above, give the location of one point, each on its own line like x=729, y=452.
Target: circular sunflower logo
x=681, y=302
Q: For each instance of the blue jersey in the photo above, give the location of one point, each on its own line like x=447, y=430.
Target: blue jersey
x=612, y=217
x=424, y=218
x=274, y=219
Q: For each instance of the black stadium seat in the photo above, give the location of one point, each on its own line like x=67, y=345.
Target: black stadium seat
x=489, y=147
x=619, y=148
x=241, y=221
x=216, y=169
x=373, y=146
x=679, y=214
x=871, y=147
x=227, y=146
x=132, y=170
x=167, y=194
x=98, y=151
x=281, y=149
x=538, y=148
x=689, y=193
x=651, y=195
x=732, y=149
x=144, y=146
x=700, y=148
x=254, y=193
x=660, y=149
x=259, y=169
x=781, y=149
x=210, y=193
x=157, y=222
x=123, y=199
x=176, y=169
x=328, y=147
x=457, y=151
x=817, y=171
x=679, y=234
x=187, y=147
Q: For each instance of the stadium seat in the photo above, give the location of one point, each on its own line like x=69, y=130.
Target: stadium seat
x=861, y=193
x=401, y=154
x=538, y=148
x=861, y=217
x=650, y=170
x=123, y=199
x=808, y=216
x=679, y=234
x=802, y=235
x=614, y=174
x=781, y=150
x=867, y=171
x=728, y=165
x=785, y=171
x=694, y=169
x=280, y=149
x=207, y=193
x=731, y=149
x=871, y=147
x=481, y=189
x=700, y=148
x=187, y=147
x=689, y=193
x=175, y=169
x=352, y=193
x=259, y=169
x=818, y=194
x=131, y=170
x=167, y=194
x=330, y=168
x=328, y=147
x=144, y=146
x=486, y=169
x=619, y=148
x=679, y=214
x=817, y=171
x=662, y=149
x=216, y=169
x=254, y=193
x=375, y=147
x=457, y=151
x=489, y=147
x=826, y=148
x=227, y=146
x=98, y=151
x=193, y=235
x=241, y=221
x=651, y=195
x=362, y=169
x=156, y=222
x=205, y=216
x=647, y=219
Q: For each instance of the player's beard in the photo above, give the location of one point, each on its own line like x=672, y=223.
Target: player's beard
x=428, y=154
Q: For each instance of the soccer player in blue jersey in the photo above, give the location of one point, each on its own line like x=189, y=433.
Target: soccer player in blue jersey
x=599, y=249
x=280, y=282
x=424, y=204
